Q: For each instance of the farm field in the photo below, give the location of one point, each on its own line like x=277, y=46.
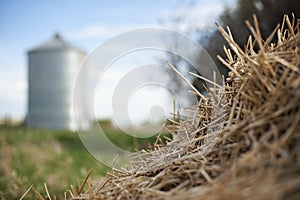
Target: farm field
x=57, y=158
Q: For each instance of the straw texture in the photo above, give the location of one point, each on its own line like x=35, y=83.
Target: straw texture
x=242, y=141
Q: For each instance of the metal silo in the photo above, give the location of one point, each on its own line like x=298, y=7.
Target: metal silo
x=52, y=71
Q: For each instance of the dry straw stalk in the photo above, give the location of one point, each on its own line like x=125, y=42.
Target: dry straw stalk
x=240, y=142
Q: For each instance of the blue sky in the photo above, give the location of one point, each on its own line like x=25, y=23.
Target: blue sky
x=25, y=24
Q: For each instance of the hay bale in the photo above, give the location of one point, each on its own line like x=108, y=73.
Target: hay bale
x=241, y=142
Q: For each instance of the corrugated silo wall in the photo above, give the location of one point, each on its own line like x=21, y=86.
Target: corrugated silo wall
x=52, y=75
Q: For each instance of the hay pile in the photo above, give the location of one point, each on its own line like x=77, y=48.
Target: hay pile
x=241, y=142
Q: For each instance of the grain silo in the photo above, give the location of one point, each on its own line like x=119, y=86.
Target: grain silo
x=52, y=71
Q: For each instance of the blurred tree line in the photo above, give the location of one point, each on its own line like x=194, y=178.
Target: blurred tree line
x=269, y=13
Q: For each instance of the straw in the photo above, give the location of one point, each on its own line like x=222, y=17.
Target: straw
x=242, y=141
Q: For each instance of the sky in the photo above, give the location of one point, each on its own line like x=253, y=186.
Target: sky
x=87, y=24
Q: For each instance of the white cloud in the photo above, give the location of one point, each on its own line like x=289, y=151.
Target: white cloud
x=12, y=85
x=93, y=31
x=90, y=31
x=102, y=30
x=198, y=16
x=13, y=98
x=201, y=15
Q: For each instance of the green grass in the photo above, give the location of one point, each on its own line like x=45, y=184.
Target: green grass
x=38, y=156
x=57, y=158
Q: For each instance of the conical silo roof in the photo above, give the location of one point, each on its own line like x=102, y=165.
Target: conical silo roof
x=55, y=43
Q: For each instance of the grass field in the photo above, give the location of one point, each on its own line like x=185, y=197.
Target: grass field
x=57, y=158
